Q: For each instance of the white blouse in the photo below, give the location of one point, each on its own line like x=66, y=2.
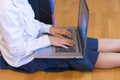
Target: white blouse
x=19, y=32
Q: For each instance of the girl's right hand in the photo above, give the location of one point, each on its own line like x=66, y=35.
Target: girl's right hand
x=61, y=41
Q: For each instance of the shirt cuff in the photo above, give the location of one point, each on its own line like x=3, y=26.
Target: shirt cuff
x=45, y=28
x=45, y=41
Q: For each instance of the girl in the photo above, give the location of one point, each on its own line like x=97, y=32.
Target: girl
x=19, y=30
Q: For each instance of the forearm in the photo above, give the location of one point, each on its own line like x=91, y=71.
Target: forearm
x=19, y=47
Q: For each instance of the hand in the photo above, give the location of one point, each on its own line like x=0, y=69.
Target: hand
x=59, y=31
x=60, y=41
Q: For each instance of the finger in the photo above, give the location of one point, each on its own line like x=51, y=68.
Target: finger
x=66, y=32
x=59, y=36
x=64, y=46
x=71, y=42
x=68, y=42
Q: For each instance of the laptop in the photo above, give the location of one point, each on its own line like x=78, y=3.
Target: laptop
x=79, y=37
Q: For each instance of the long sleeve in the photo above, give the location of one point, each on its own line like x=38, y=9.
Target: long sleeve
x=19, y=39
x=14, y=39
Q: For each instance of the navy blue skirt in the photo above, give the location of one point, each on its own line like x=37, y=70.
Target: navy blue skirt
x=56, y=65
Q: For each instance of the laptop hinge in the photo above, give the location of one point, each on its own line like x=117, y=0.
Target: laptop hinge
x=78, y=39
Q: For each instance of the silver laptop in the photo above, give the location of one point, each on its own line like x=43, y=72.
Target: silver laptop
x=79, y=37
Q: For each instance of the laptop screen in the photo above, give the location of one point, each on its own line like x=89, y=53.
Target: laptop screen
x=83, y=22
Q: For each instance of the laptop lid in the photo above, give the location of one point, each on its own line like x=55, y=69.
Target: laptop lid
x=83, y=18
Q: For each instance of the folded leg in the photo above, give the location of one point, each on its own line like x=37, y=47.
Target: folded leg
x=108, y=45
x=108, y=60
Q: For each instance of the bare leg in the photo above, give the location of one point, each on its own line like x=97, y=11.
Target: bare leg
x=108, y=60
x=109, y=45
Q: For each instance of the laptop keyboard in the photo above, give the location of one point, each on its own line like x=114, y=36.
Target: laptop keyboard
x=70, y=48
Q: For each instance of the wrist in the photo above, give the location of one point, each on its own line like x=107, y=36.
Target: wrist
x=51, y=29
x=50, y=39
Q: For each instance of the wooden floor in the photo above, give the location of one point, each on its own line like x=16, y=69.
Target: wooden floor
x=104, y=23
